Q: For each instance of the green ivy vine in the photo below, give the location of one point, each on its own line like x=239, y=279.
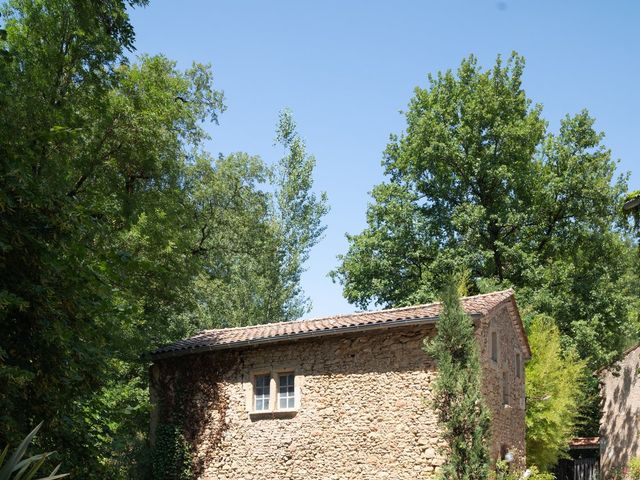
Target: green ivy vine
x=172, y=456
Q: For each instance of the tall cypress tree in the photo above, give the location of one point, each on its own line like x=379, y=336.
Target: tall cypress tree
x=462, y=414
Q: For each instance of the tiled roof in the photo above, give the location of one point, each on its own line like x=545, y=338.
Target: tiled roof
x=477, y=305
x=634, y=202
x=585, y=442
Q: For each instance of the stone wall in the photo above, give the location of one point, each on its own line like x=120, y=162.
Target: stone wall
x=507, y=420
x=619, y=430
x=362, y=408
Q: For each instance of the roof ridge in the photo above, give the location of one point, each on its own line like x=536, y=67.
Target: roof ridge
x=618, y=359
x=353, y=314
x=280, y=331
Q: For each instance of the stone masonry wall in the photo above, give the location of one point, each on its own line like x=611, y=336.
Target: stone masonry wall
x=362, y=408
x=507, y=421
x=619, y=426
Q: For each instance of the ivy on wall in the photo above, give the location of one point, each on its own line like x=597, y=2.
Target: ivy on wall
x=191, y=409
x=172, y=456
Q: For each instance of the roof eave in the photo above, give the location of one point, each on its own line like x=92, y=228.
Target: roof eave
x=622, y=356
x=634, y=202
x=515, y=311
x=523, y=333
x=300, y=336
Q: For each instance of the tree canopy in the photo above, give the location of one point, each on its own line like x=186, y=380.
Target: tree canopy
x=477, y=181
x=118, y=232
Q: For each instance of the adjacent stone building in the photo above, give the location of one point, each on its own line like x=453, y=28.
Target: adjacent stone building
x=344, y=397
x=620, y=422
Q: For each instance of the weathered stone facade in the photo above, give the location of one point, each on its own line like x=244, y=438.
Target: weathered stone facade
x=507, y=420
x=362, y=405
x=620, y=423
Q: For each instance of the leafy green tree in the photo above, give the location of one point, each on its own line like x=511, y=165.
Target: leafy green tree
x=477, y=182
x=462, y=167
x=554, y=389
x=235, y=240
x=253, y=243
x=93, y=260
x=117, y=232
x=58, y=138
x=298, y=215
x=457, y=396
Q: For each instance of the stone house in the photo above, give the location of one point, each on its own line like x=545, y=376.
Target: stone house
x=343, y=397
x=620, y=421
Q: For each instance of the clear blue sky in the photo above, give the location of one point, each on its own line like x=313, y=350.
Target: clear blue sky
x=346, y=69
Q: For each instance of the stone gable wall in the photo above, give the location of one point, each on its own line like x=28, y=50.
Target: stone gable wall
x=619, y=431
x=363, y=408
x=507, y=421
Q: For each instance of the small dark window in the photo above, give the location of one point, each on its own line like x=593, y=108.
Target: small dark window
x=518, y=365
x=494, y=346
x=505, y=388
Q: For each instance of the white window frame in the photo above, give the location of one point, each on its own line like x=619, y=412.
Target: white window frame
x=274, y=391
x=292, y=396
x=254, y=390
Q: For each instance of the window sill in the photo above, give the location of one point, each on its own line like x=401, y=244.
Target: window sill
x=260, y=414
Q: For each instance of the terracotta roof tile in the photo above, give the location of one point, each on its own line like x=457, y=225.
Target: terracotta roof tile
x=234, y=337
x=585, y=442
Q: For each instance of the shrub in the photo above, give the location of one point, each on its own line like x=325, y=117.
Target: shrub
x=633, y=469
x=462, y=414
x=503, y=472
x=17, y=468
x=554, y=389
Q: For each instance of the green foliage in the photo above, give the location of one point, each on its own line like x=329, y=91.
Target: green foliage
x=477, y=183
x=632, y=195
x=632, y=212
x=254, y=244
x=633, y=471
x=118, y=232
x=172, y=455
x=299, y=213
x=255, y=247
x=555, y=393
x=457, y=398
x=616, y=473
x=16, y=467
x=537, y=475
x=503, y=472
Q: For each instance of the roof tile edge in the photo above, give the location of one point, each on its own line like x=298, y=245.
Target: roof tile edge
x=206, y=340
